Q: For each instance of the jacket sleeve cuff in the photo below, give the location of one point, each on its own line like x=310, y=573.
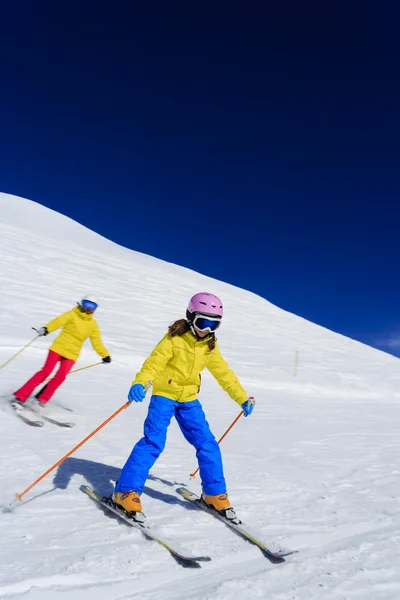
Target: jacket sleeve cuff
x=241, y=401
x=140, y=380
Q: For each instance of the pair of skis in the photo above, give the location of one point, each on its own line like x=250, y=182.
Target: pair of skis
x=34, y=418
x=274, y=552
x=179, y=555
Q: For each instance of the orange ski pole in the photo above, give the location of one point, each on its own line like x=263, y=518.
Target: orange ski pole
x=19, y=496
x=193, y=475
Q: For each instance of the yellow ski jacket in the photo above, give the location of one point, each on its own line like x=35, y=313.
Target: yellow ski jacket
x=175, y=365
x=77, y=327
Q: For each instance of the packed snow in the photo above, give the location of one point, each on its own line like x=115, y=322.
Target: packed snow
x=315, y=467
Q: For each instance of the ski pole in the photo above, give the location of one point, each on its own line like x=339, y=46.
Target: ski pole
x=81, y=369
x=193, y=475
x=88, y=367
x=19, y=496
x=19, y=352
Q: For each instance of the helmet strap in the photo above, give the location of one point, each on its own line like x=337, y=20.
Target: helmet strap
x=192, y=329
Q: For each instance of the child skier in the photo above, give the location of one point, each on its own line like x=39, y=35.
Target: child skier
x=78, y=324
x=174, y=369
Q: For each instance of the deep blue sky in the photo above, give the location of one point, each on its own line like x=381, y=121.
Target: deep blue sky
x=259, y=145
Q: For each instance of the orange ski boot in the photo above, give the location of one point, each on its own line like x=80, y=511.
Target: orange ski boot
x=222, y=506
x=128, y=501
x=220, y=502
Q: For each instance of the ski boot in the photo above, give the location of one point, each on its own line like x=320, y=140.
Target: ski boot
x=222, y=506
x=130, y=504
x=16, y=403
x=38, y=406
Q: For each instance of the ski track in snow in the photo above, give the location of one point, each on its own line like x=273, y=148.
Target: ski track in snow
x=316, y=466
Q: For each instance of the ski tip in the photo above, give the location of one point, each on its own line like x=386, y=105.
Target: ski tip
x=29, y=422
x=193, y=560
x=85, y=488
x=281, y=555
x=64, y=424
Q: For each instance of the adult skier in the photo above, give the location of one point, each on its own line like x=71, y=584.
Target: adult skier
x=174, y=369
x=77, y=325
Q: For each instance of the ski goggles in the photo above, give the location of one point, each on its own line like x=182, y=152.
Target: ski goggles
x=88, y=306
x=206, y=323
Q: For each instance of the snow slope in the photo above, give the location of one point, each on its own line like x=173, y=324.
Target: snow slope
x=315, y=467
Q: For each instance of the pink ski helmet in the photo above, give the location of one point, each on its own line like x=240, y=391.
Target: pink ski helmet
x=205, y=304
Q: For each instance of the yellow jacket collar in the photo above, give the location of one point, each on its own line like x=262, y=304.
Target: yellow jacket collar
x=193, y=341
x=83, y=315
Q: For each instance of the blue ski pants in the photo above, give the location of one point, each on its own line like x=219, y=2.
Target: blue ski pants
x=192, y=422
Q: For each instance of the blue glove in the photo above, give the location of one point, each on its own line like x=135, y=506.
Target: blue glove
x=136, y=393
x=248, y=406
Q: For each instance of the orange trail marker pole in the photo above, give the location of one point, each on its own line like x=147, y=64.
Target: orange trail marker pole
x=296, y=363
x=193, y=475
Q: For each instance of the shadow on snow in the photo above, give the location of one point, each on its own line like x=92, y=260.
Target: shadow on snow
x=102, y=478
